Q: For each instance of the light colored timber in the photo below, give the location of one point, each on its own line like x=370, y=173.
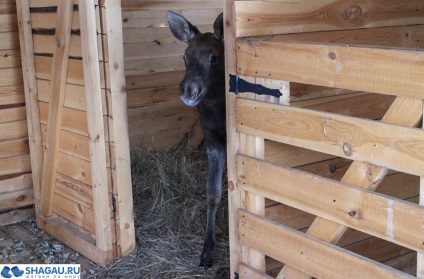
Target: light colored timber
x=20, y=182
x=120, y=138
x=15, y=216
x=8, y=22
x=10, y=76
x=57, y=96
x=14, y=147
x=392, y=71
x=323, y=260
x=388, y=145
x=248, y=272
x=95, y=124
x=31, y=98
x=12, y=114
x=10, y=95
x=74, y=190
x=16, y=199
x=268, y=18
x=128, y=5
x=9, y=40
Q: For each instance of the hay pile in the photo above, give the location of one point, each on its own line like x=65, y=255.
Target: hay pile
x=169, y=190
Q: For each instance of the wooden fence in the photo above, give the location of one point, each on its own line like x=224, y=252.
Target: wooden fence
x=73, y=68
x=324, y=182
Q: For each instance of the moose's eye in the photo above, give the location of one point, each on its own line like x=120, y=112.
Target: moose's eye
x=185, y=60
x=214, y=59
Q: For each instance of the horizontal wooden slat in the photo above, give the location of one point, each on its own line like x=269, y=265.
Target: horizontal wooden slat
x=45, y=3
x=17, y=199
x=391, y=146
x=370, y=212
x=255, y=18
x=175, y=122
x=15, y=216
x=15, y=147
x=145, y=97
x=74, y=190
x=20, y=182
x=324, y=260
x=48, y=20
x=75, y=168
x=163, y=109
x=9, y=40
x=10, y=95
x=153, y=49
x=14, y=165
x=246, y=271
x=148, y=81
x=11, y=76
x=13, y=130
x=411, y=36
x=8, y=7
x=160, y=140
x=154, y=65
x=8, y=22
x=128, y=5
x=12, y=114
x=303, y=92
x=74, y=212
x=10, y=58
x=43, y=44
x=378, y=70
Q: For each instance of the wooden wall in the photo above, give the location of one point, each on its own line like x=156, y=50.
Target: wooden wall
x=334, y=62
x=15, y=168
x=154, y=68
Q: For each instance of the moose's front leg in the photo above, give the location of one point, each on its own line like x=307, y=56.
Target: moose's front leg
x=216, y=162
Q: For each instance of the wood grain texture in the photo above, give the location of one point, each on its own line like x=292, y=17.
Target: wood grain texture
x=267, y=18
x=378, y=70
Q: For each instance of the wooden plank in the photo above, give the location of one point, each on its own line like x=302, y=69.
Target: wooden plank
x=11, y=76
x=154, y=65
x=8, y=7
x=16, y=199
x=31, y=99
x=149, y=126
x=386, y=145
x=13, y=130
x=129, y=5
x=95, y=124
x=15, y=216
x=75, y=239
x=9, y=40
x=295, y=248
x=10, y=58
x=146, y=97
x=43, y=45
x=398, y=36
x=233, y=144
x=246, y=271
x=360, y=209
x=303, y=92
x=268, y=18
x=10, y=95
x=74, y=212
x=163, y=140
x=165, y=79
x=12, y=114
x=8, y=23
x=20, y=182
x=47, y=20
x=420, y=256
x=387, y=71
x=57, y=96
x=74, y=190
x=169, y=108
x=15, y=147
x=120, y=143
x=44, y=69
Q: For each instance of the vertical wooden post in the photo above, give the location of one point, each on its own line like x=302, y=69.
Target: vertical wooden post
x=57, y=97
x=31, y=96
x=420, y=256
x=93, y=98
x=119, y=138
x=232, y=137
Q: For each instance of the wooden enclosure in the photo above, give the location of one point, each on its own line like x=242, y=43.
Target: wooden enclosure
x=73, y=72
x=324, y=182
x=154, y=69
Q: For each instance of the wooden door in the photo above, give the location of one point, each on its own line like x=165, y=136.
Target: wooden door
x=72, y=56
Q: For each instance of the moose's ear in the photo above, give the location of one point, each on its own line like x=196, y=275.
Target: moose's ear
x=181, y=28
x=218, y=28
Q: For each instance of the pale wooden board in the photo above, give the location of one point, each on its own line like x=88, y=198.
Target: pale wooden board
x=360, y=209
x=163, y=140
x=15, y=216
x=128, y=5
x=14, y=130
x=74, y=212
x=152, y=49
x=154, y=65
x=324, y=260
x=153, y=96
x=388, y=145
x=11, y=76
x=19, y=182
x=8, y=23
x=248, y=272
x=163, y=109
x=8, y=7
x=398, y=36
x=266, y=18
x=147, y=81
x=75, y=168
x=74, y=190
x=15, y=147
x=9, y=40
x=303, y=92
x=43, y=44
x=148, y=126
x=12, y=114
x=378, y=70
x=17, y=199
x=45, y=3
x=10, y=58
x=48, y=20
x=10, y=95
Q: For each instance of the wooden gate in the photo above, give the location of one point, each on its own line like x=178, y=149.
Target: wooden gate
x=321, y=152
x=72, y=57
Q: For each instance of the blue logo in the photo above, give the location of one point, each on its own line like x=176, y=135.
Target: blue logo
x=15, y=270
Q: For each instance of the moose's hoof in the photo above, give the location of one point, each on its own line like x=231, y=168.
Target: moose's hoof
x=206, y=260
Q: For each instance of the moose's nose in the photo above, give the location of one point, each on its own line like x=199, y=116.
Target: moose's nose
x=190, y=93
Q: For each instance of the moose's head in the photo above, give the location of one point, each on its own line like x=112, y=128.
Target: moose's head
x=203, y=57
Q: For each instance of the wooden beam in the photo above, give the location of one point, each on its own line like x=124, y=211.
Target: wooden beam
x=392, y=71
x=309, y=254
x=248, y=272
x=31, y=96
x=57, y=96
x=403, y=111
x=420, y=256
x=269, y=18
x=95, y=124
x=363, y=210
x=392, y=146
x=119, y=131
